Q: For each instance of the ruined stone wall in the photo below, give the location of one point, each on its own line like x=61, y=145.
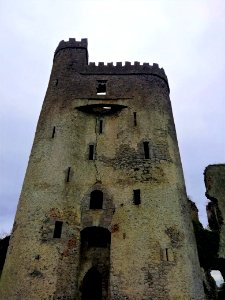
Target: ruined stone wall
x=152, y=253
x=215, y=192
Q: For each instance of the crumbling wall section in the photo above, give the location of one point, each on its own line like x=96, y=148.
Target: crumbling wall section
x=215, y=192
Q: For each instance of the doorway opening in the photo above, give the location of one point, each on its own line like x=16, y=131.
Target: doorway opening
x=95, y=252
x=92, y=285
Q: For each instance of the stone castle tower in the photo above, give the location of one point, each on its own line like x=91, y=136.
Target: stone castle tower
x=103, y=211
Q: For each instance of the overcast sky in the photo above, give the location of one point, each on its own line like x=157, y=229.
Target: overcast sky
x=186, y=38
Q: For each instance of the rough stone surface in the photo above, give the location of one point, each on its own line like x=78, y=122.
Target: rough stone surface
x=215, y=191
x=151, y=252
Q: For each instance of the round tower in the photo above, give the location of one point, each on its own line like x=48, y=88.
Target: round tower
x=103, y=212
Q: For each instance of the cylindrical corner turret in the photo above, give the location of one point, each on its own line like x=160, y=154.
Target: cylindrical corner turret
x=79, y=54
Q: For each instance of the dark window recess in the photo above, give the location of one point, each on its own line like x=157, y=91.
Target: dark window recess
x=95, y=237
x=68, y=175
x=146, y=150
x=100, y=126
x=91, y=152
x=56, y=82
x=101, y=87
x=135, y=119
x=96, y=200
x=167, y=256
x=53, y=132
x=58, y=229
x=137, y=197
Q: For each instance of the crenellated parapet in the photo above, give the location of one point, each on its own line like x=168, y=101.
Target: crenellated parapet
x=127, y=68
x=117, y=68
x=72, y=44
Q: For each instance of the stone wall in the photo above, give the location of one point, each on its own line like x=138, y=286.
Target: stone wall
x=215, y=192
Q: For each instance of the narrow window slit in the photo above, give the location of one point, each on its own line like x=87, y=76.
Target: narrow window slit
x=91, y=152
x=167, y=256
x=135, y=119
x=53, y=132
x=146, y=150
x=137, y=197
x=100, y=126
x=58, y=229
x=68, y=175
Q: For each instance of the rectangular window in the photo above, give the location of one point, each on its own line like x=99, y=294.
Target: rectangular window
x=146, y=150
x=135, y=119
x=137, y=197
x=53, y=132
x=101, y=87
x=68, y=175
x=58, y=229
x=100, y=126
x=91, y=152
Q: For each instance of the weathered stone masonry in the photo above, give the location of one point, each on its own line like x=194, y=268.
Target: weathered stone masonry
x=103, y=212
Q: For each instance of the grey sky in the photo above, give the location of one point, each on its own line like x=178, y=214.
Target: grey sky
x=186, y=38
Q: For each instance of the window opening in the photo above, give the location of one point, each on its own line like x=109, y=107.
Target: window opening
x=135, y=119
x=137, y=197
x=56, y=82
x=101, y=87
x=100, y=126
x=96, y=200
x=58, y=229
x=96, y=237
x=217, y=276
x=53, y=132
x=68, y=175
x=146, y=150
x=101, y=108
x=91, y=152
x=167, y=256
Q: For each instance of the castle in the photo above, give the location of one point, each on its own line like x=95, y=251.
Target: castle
x=103, y=212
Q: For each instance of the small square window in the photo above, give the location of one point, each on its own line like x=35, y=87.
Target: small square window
x=101, y=87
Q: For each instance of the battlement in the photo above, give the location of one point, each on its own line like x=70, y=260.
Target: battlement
x=72, y=43
x=110, y=68
x=127, y=68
